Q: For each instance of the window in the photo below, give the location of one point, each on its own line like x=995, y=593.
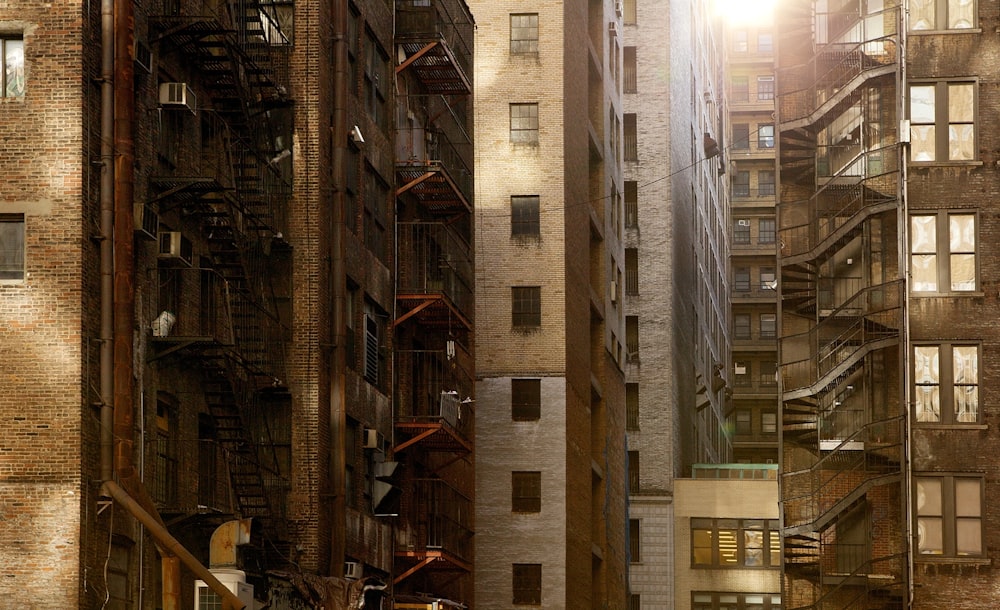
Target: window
x=634, y=543
x=374, y=363
x=949, y=516
x=11, y=248
x=741, y=136
x=741, y=371
x=735, y=543
x=768, y=326
x=12, y=76
x=765, y=135
x=165, y=478
x=942, y=14
x=633, y=472
x=741, y=326
x=946, y=375
x=942, y=121
x=631, y=271
x=765, y=88
x=628, y=12
x=765, y=42
x=524, y=33
x=769, y=422
x=630, y=65
x=741, y=184
x=377, y=81
x=525, y=492
x=735, y=601
x=943, y=232
x=524, y=124
x=527, y=586
x=631, y=137
x=741, y=89
x=632, y=338
x=768, y=280
x=768, y=372
x=740, y=41
x=525, y=399
x=765, y=183
x=743, y=421
x=526, y=306
x=631, y=406
x=741, y=231
x=524, y=216
x=634, y=601
x=765, y=231
x=631, y=204
x=741, y=279
x=376, y=218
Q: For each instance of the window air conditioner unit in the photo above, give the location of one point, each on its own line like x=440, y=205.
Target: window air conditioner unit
x=619, y=9
x=147, y=222
x=177, y=94
x=743, y=222
x=234, y=580
x=614, y=291
x=174, y=246
x=450, y=407
x=373, y=439
x=613, y=29
x=353, y=570
x=143, y=57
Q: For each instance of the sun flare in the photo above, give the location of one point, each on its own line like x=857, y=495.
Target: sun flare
x=747, y=12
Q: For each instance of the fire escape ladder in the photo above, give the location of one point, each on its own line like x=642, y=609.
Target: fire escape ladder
x=433, y=38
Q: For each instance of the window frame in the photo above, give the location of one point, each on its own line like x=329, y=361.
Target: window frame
x=741, y=184
x=7, y=67
x=725, y=600
x=942, y=253
x=941, y=15
x=769, y=543
x=529, y=407
x=526, y=307
x=526, y=584
x=739, y=88
x=771, y=330
x=14, y=269
x=771, y=182
x=525, y=216
x=742, y=326
x=634, y=541
x=766, y=231
x=524, y=123
x=741, y=231
x=765, y=93
x=765, y=141
x=942, y=122
x=741, y=136
x=526, y=44
x=948, y=516
x=526, y=491
x=945, y=384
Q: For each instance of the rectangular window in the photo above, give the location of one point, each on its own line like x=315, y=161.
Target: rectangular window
x=12, y=248
x=735, y=601
x=768, y=372
x=527, y=585
x=768, y=326
x=765, y=135
x=526, y=492
x=741, y=371
x=741, y=184
x=743, y=422
x=525, y=399
x=12, y=77
x=942, y=14
x=634, y=601
x=631, y=406
x=765, y=42
x=949, y=516
x=524, y=215
x=741, y=326
x=942, y=121
x=374, y=357
x=741, y=279
x=765, y=231
x=735, y=543
x=631, y=271
x=740, y=41
x=633, y=472
x=526, y=306
x=377, y=81
x=765, y=183
x=524, y=124
x=765, y=88
x=628, y=12
x=946, y=375
x=632, y=338
x=740, y=89
x=944, y=233
x=741, y=136
x=631, y=204
x=741, y=231
x=634, y=542
x=376, y=217
x=630, y=65
x=769, y=422
x=768, y=279
x=524, y=33
x=631, y=137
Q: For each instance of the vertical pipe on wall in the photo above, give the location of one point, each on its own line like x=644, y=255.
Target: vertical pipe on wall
x=107, y=230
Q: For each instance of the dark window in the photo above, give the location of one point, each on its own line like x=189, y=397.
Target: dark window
x=741, y=279
x=741, y=326
x=524, y=124
x=743, y=422
x=12, y=247
x=630, y=77
x=633, y=472
x=765, y=183
x=12, y=81
x=741, y=184
x=524, y=215
x=768, y=326
x=631, y=137
x=632, y=338
x=527, y=583
x=631, y=406
x=525, y=399
x=735, y=543
x=376, y=85
x=741, y=231
x=741, y=136
x=376, y=218
x=525, y=492
x=741, y=371
x=768, y=372
x=765, y=231
x=524, y=33
x=631, y=271
x=631, y=204
x=526, y=306
x=769, y=422
x=634, y=542
x=165, y=478
x=634, y=601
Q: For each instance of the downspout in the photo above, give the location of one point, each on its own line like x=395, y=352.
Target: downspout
x=107, y=231
x=338, y=401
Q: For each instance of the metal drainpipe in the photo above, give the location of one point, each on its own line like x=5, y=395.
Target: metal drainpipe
x=107, y=228
x=338, y=402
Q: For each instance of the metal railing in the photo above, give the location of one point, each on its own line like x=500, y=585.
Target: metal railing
x=443, y=518
x=446, y=20
x=434, y=259
x=432, y=150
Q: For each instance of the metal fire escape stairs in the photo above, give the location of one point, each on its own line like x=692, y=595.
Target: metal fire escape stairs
x=239, y=199
x=849, y=323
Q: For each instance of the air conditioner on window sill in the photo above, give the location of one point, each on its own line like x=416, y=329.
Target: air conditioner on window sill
x=373, y=439
x=353, y=570
x=175, y=247
x=178, y=95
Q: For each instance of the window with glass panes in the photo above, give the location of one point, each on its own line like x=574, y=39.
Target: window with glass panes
x=946, y=384
x=768, y=326
x=943, y=252
x=12, y=78
x=765, y=135
x=523, y=33
x=12, y=248
x=741, y=326
x=525, y=399
x=741, y=279
x=765, y=231
x=741, y=231
x=741, y=184
x=741, y=136
x=765, y=88
x=705, y=600
x=527, y=583
x=949, y=516
x=526, y=492
x=765, y=183
x=524, y=123
x=741, y=89
x=942, y=14
x=524, y=215
x=526, y=306
x=765, y=42
x=942, y=121
x=735, y=543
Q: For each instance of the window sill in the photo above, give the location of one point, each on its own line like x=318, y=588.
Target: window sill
x=962, y=293
x=977, y=561
x=928, y=164
x=934, y=426
x=940, y=32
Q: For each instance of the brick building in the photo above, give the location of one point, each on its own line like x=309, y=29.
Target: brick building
x=235, y=287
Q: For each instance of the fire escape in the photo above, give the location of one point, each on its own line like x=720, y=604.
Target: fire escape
x=228, y=322
x=842, y=298
x=434, y=297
